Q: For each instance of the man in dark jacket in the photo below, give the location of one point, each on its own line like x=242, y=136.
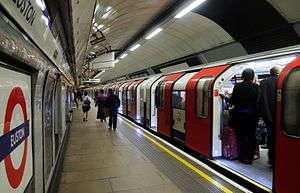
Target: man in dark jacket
x=112, y=104
x=268, y=91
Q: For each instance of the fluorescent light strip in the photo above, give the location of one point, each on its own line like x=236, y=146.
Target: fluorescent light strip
x=154, y=33
x=123, y=56
x=189, y=8
x=116, y=61
x=135, y=47
x=100, y=26
x=108, y=8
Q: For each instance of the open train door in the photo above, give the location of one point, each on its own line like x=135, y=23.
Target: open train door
x=287, y=158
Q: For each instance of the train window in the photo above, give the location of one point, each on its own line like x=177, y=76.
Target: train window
x=291, y=100
x=202, y=96
x=178, y=99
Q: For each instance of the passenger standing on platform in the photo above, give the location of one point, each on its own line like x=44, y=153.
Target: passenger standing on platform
x=245, y=99
x=74, y=98
x=100, y=102
x=112, y=103
x=86, y=106
x=268, y=108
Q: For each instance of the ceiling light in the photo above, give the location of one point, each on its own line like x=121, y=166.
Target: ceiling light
x=154, y=33
x=97, y=7
x=104, y=16
x=41, y=4
x=123, y=56
x=108, y=8
x=99, y=74
x=95, y=29
x=189, y=8
x=95, y=24
x=45, y=19
x=100, y=26
x=116, y=61
x=134, y=47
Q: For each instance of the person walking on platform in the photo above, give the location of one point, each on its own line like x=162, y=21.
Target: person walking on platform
x=100, y=103
x=245, y=99
x=74, y=98
x=268, y=108
x=112, y=103
x=86, y=106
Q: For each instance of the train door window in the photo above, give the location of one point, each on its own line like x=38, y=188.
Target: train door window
x=161, y=94
x=129, y=94
x=178, y=99
x=202, y=96
x=291, y=103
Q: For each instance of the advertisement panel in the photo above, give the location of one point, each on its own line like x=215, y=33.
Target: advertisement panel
x=16, y=166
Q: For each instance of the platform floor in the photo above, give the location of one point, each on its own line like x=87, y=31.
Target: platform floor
x=128, y=160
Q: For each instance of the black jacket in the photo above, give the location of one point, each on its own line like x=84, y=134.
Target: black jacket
x=113, y=103
x=245, y=97
x=268, y=99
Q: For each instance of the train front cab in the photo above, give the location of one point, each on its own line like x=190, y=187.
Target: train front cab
x=164, y=111
x=287, y=159
x=260, y=172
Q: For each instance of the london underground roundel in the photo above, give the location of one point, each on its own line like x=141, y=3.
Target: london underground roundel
x=15, y=137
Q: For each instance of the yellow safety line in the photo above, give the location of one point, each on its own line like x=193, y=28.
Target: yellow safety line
x=187, y=164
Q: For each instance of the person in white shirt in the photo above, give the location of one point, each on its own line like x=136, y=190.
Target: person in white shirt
x=86, y=106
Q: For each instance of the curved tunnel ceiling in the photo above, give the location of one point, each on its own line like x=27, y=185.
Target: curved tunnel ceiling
x=191, y=34
x=258, y=25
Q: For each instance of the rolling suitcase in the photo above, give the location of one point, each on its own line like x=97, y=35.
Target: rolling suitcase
x=229, y=144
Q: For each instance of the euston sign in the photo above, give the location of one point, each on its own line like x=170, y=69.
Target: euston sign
x=13, y=138
x=15, y=131
x=26, y=9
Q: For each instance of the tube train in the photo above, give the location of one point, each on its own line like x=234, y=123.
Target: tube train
x=35, y=109
x=185, y=107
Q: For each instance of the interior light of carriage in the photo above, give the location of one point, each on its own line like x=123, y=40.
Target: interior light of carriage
x=189, y=8
x=123, y=56
x=116, y=61
x=136, y=46
x=153, y=33
x=96, y=24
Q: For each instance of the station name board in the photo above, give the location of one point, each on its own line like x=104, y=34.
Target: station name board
x=26, y=9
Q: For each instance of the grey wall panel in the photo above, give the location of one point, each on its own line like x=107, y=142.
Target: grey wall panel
x=224, y=52
x=297, y=28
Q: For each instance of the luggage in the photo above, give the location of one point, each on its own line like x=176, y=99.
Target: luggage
x=261, y=133
x=229, y=144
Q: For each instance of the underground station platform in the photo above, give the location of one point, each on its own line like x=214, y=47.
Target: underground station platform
x=131, y=160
